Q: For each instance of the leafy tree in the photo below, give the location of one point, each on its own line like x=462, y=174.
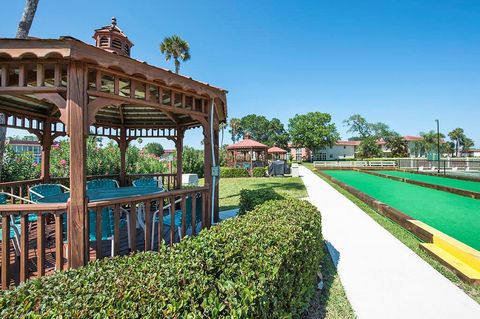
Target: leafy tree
x=155, y=149
x=261, y=129
x=382, y=131
x=397, y=145
x=176, y=48
x=313, y=129
x=19, y=166
x=369, y=148
x=358, y=125
x=193, y=161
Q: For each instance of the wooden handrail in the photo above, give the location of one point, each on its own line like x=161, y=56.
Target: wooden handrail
x=136, y=198
x=30, y=208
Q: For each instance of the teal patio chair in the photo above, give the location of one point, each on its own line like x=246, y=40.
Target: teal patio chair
x=177, y=216
x=15, y=221
x=40, y=191
x=146, y=182
x=14, y=236
x=104, y=183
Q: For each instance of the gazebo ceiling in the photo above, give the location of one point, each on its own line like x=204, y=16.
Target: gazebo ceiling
x=143, y=96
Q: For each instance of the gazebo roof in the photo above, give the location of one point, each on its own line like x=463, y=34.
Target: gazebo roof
x=276, y=150
x=145, y=96
x=247, y=143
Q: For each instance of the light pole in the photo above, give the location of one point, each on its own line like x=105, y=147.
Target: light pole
x=438, y=145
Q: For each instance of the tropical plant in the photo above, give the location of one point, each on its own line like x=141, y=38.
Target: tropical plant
x=193, y=161
x=397, y=145
x=27, y=18
x=235, y=125
x=457, y=135
x=176, y=48
x=19, y=166
x=155, y=149
x=313, y=129
x=369, y=148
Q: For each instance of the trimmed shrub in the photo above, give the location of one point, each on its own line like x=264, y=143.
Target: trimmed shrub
x=261, y=265
x=259, y=171
x=228, y=172
x=250, y=198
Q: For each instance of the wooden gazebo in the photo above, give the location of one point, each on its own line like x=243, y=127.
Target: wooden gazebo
x=276, y=153
x=247, y=154
x=65, y=87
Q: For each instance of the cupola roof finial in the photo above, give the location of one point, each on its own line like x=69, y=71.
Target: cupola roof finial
x=114, y=21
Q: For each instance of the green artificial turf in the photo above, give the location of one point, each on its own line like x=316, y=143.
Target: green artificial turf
x=444, y=181
x=455, y=215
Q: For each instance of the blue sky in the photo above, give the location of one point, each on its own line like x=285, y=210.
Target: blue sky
x=402, y=62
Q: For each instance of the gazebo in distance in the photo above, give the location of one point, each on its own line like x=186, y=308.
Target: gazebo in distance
x=276, y=153
x=247, y=154
x=65, y=87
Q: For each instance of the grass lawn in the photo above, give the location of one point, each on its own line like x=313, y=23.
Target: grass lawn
x=407, y=239
x=230, y=188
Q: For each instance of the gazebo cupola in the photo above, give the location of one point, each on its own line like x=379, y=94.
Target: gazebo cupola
x=111, y=38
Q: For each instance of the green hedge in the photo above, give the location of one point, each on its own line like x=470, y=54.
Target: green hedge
x=249, y=199
x=259, y=171
x=228, y=172
x=260, y=265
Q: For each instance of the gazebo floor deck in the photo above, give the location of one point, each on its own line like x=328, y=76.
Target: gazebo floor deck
x=50, y=250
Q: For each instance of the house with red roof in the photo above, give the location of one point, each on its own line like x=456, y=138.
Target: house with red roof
x=344, y=150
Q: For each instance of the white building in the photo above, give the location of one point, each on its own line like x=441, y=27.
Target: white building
x=471, y=153
x=340, y=150
x=348, y=149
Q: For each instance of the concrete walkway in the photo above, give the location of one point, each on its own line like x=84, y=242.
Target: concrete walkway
x=382, y=277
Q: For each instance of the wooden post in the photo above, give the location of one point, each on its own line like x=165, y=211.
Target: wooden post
x=207, y=152
x=123, y=144
x=216, y=210
x=179, y=148
x=46, y=144
x=77, y=129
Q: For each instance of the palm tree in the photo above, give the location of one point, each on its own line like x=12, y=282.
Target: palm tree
x=22, y=33
x=457, y=135
x=176, y=48
x=27, y=18
x=235, y=125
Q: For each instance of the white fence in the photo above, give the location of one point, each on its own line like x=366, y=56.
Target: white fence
x=355, y=164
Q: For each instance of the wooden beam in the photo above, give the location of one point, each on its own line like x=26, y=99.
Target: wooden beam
x=17, y=90
x=57, y=100
x=77, y=117
x=97, y=104
x=144, y=103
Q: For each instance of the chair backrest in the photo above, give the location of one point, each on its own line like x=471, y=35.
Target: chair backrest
x=145, y=182
x=3, y=199
x=107, y=224
x=198, y=210
x=103, y=183
x=43, y=190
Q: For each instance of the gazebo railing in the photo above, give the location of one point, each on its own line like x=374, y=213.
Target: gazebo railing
x=20, y=188
x=41, y=244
